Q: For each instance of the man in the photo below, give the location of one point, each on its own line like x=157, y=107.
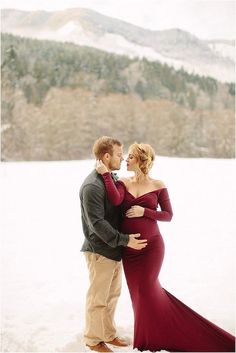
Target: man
x=103, y=249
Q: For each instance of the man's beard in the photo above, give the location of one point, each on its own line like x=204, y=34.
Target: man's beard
x=113, y=166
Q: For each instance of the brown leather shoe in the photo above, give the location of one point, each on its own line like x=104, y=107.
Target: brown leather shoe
x=100, y=347
x=118, y=342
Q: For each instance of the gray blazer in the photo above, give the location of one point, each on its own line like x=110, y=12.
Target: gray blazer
x=100, y=220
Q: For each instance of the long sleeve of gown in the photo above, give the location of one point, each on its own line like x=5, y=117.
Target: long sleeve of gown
x=166, y=212
x=115, y=191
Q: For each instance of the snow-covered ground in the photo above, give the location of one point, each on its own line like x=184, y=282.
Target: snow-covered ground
x=43, y=273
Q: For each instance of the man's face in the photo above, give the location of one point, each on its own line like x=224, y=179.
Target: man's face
x=115, y=160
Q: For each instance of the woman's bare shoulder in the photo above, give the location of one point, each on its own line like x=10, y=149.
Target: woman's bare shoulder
x=158, y=184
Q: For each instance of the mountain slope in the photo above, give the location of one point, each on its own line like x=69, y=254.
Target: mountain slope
x=86, y=27
x=57, y=98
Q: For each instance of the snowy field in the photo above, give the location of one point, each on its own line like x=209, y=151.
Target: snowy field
x=43, y=273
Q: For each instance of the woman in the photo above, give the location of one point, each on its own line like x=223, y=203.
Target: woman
x=161, y=321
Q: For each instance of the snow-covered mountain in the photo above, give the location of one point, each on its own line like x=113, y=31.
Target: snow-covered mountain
x=224, y=48
x=175, y=47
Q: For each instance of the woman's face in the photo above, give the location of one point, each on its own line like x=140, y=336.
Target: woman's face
x=132, y=163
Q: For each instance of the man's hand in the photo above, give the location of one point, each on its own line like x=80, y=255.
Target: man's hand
x=100, y=167
x=135, y=243
x=135, y=211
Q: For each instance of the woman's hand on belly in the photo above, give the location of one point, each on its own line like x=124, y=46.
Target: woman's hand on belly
x=135, y=211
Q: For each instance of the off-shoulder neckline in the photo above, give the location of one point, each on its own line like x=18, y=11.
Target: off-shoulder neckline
x=146, y=193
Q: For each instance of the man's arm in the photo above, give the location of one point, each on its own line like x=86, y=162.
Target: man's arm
x=93, y=206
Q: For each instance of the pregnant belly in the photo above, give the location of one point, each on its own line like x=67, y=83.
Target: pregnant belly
x=146, y=227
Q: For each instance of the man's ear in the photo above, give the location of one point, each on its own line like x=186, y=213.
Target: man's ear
x=106, y=156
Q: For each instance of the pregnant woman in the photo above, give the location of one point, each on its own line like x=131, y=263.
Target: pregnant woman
x=161, y=321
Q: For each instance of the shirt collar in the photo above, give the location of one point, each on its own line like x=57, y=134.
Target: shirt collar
x=114, y=176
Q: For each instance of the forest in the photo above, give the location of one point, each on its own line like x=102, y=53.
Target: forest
x=196, y=112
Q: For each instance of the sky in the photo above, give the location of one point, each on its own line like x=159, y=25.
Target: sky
x=207, y=19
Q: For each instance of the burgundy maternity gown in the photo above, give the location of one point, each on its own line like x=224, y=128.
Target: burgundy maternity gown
x=161, y=321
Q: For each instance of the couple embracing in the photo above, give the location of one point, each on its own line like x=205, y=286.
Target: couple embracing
x=120, y=222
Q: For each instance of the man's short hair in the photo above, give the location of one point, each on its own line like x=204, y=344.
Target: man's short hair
x=104, y=145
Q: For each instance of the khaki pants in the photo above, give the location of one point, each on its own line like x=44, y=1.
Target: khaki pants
x=102, y=296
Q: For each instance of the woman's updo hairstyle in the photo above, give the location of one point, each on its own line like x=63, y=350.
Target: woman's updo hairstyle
x=144, y=154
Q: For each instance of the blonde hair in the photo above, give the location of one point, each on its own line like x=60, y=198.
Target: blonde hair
x=145, y=155
x=104, y=145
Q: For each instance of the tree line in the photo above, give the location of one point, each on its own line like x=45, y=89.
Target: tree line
x=37, y=65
